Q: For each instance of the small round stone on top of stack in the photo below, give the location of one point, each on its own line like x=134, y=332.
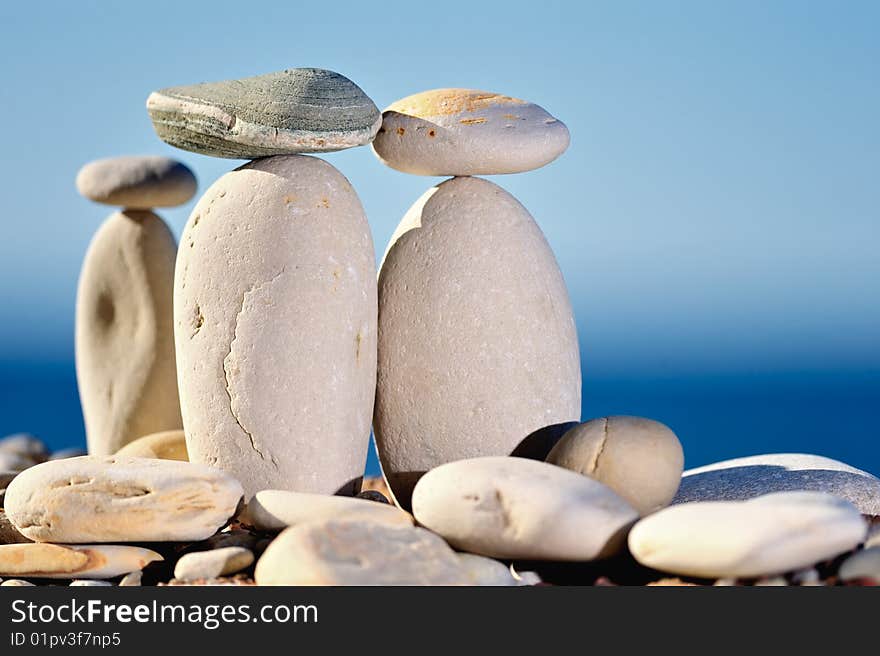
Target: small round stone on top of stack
x=125, y=362
x=137, y=183
x=468, y=132
x=480, y=336
x=286, y=232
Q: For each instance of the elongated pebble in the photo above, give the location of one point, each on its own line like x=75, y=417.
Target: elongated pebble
x=56, y=561
x=273, y=510
x=764, y=536
x=121, y=499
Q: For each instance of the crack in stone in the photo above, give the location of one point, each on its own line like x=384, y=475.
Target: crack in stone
x=594, y=465
x=254, y=287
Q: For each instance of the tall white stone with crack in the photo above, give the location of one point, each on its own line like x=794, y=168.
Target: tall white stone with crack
x=275, y=327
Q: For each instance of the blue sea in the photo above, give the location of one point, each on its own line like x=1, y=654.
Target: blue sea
x=716, y=416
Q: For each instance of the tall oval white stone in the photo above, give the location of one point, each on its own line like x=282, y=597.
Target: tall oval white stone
x=477, y=341
x=275, y=325
x=124, y=332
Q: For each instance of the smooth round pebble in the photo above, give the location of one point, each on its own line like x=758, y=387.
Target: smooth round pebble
x=864, y=564
x=121, y=499
x=467, y=132
x=212, y=564
x=746, y=478
x=167, y=445
x=521, y=509
x=339, y=552
x=640, y=459
x=764, y=536
x=137, y=182
x=478, y=346
x=299, y=110
x=16, y=583
x=273, y=510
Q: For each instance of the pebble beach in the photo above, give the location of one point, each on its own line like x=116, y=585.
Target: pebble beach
x=230, y=383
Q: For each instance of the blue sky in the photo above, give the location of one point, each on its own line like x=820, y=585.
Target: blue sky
x=717, y=209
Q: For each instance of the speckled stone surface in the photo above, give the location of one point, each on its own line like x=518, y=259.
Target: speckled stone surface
x=137, y=182
x=468, y=132
x=120, y=499
x=275, y=327
x=300, y=110
x=344, y=552
x=514, y=508
x=745, y=478
x=477, y=345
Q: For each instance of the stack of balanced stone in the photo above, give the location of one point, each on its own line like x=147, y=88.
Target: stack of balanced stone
x=229, y=384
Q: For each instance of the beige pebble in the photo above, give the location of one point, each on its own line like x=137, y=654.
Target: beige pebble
x=467, y=132
x=475, y=354
x=131, y=579
x=521, y=509
x=212, y=564
x=125, y=362
x=764, y=536
x=486, y=571
x=273, y=510
x=275, y=325
x=359, y=553
x=167, y=445
x=640, y=459
x=16, y=583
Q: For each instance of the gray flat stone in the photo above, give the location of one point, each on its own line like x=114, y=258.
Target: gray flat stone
x=300, y=110
x=137, y=182
x=746, y=478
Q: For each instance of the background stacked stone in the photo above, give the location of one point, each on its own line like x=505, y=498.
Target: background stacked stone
x=125, y=360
